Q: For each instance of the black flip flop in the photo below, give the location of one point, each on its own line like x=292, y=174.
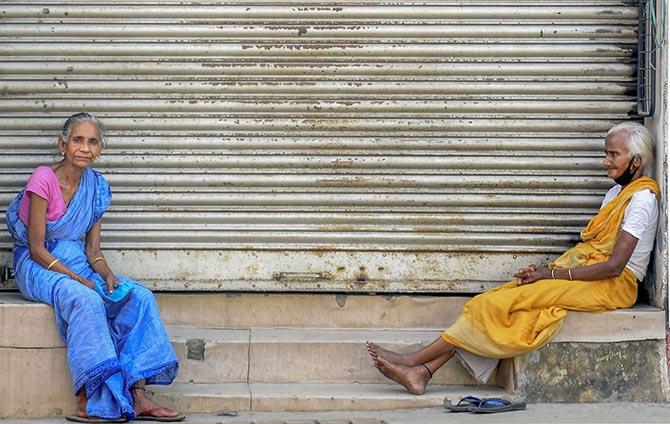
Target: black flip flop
x=463, y=404
x=492, y=405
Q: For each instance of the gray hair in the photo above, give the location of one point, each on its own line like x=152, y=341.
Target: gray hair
x=81, y=117
x=639, y=142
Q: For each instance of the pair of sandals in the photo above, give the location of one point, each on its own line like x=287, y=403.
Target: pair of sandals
x=484, y=406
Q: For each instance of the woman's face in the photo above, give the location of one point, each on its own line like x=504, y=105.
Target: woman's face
x=83, y=146
x=617, y=156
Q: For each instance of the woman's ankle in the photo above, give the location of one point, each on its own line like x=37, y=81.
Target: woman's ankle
x=410, y=361
x=81, y=402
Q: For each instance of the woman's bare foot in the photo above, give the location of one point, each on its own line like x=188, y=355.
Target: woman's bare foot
x=146, y=407
x=414, y=379
x=377, y=351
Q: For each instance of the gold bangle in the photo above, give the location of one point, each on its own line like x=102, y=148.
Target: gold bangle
x=53, y=263
x=99, y=258
x=553, y=277
x=570, y=274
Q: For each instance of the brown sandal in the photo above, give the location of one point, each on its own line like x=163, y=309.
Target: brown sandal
x=155, y=414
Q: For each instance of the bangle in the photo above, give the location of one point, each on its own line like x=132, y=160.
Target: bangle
x=553, y=277
x=570, y=274
x=99, y=258
x=52, y=264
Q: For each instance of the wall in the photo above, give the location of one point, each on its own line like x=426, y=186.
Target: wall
x=656, y=282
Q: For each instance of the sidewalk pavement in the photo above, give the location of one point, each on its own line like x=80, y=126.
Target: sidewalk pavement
x=535, y=413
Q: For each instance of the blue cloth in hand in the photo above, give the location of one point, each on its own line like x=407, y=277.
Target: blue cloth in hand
x=119, y=293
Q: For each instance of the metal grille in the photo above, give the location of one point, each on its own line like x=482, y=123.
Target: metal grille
x=445, y=135
x=647, y=46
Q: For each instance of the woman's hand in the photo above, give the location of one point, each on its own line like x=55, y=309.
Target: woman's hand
x=532, y=273
x=96, y=258
x=88, y=283
x=112, y=282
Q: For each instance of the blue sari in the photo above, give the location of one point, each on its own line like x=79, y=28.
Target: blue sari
x=110, y=346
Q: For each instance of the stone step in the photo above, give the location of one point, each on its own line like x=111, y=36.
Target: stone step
x=280, y=355
x=26, y=324
x=308, y=310
x=216, y=398
x=29, y=324
x=36, y=382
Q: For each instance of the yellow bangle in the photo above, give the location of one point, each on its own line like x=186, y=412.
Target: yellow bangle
x=53, y=263
x=99, y=258
x=553, y=277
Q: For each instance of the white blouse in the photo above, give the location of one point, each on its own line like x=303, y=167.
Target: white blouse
x=639, y=220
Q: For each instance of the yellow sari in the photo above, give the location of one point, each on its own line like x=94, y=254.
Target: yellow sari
x=510, y=320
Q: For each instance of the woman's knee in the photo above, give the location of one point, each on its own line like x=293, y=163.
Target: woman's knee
x=143, y=295
x=80, y=296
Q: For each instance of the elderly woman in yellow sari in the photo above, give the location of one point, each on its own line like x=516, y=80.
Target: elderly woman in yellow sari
x=600, y=273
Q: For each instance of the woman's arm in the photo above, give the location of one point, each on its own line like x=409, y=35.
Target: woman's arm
x=37, y=224
x=612, y=267
x=95, y=257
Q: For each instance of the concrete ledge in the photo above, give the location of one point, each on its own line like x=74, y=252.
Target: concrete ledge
x=308, y=310
x=28, y=324
x=25, y=324
x=641, y=322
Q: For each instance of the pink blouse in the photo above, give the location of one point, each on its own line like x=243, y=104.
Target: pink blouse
x=44, y=184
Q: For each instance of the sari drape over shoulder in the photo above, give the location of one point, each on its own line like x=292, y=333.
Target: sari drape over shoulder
x=110, y=345
x=510, y=320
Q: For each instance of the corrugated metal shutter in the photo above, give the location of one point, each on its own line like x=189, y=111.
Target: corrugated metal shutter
x=352, y=145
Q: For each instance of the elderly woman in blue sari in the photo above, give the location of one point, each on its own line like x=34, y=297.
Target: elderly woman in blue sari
x=116, y=342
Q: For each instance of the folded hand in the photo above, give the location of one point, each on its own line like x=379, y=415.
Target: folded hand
x=532, y=273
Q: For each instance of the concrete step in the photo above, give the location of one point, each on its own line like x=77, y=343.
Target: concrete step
x=270, y=355
x=321, y=340
x=215, y=398
x=26, y=324
x=29, y=324
x=308, y=310
x=35, y=382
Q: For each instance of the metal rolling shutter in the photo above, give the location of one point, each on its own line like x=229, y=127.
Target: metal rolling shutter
x=351, y=145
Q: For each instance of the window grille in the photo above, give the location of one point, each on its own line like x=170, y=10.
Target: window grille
x=648, y=44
